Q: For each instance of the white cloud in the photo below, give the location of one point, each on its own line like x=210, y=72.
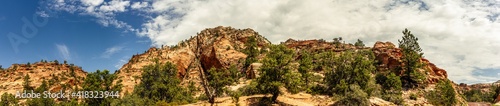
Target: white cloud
x=115, y=6
x=110, y=51
x=63, y=51
x=139, y=5
x=90, y=2
x=459, y=36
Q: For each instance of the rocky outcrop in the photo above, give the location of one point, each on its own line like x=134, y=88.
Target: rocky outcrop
x=218, y=47
x=388, y=55
x=319, y=45
x=56, y=74
x=390, y=58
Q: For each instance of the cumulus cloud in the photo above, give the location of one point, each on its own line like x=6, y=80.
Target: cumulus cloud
x=460, y=36
x=110, y=51
x=63, y=51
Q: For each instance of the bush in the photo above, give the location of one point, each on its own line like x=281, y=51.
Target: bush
x=356, y=97
x=159, y=82
x=413, y=96
x=8, y=100
x=444, y=94
x=350, y=68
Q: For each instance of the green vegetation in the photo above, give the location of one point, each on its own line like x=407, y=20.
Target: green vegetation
x=305, y=67
x=476, y=95
x=160, y=83
x=359, y=43
x=251, y=50
x=444, y=94
x=392, y=87
x=411, y=60
x=275, y=70
x=100, y=81
x=8, y=100
x=350, y=68
x=41, y=101
x=217, y=80
x=27, y=83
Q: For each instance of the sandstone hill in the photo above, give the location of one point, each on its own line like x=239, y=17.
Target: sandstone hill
x=58, y=75
x=215, y=47
x=222, y=47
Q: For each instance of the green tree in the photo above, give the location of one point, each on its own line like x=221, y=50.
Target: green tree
x=41, y=101
x=8, y=100
x=274, y=70
x=251, y=50
x=100, y=81
x=359, y=43
x=217, y=80
x=160, y=83
x=444, y=94
x=350, y=68
x=392, y=88
x=55, y=61
x=305, y=67
x=411, y=59
x=27, y=83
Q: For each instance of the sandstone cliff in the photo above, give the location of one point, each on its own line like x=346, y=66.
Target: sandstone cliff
x=58, y=76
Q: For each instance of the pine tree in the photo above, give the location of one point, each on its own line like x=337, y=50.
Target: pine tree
x=275, y=68
x=411, y=59
x=27, y=83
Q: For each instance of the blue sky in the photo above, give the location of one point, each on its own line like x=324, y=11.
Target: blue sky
x=460, y=36
x=77, y=39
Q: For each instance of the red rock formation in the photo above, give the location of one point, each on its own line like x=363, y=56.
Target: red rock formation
x=388, y=55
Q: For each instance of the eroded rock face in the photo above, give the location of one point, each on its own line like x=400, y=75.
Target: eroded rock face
x=218, y=47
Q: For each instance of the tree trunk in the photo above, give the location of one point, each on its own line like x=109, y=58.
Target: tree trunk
x=275, y=96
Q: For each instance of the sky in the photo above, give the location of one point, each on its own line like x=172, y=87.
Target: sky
x=460, y=36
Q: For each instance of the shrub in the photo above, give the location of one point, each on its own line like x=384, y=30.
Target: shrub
x=444, y=94
x=8, y=100
x=159, y=82
x=350, y=68
x=356, y=97
x=413, y=96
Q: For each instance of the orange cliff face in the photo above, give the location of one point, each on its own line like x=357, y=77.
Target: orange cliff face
x=57, y=75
